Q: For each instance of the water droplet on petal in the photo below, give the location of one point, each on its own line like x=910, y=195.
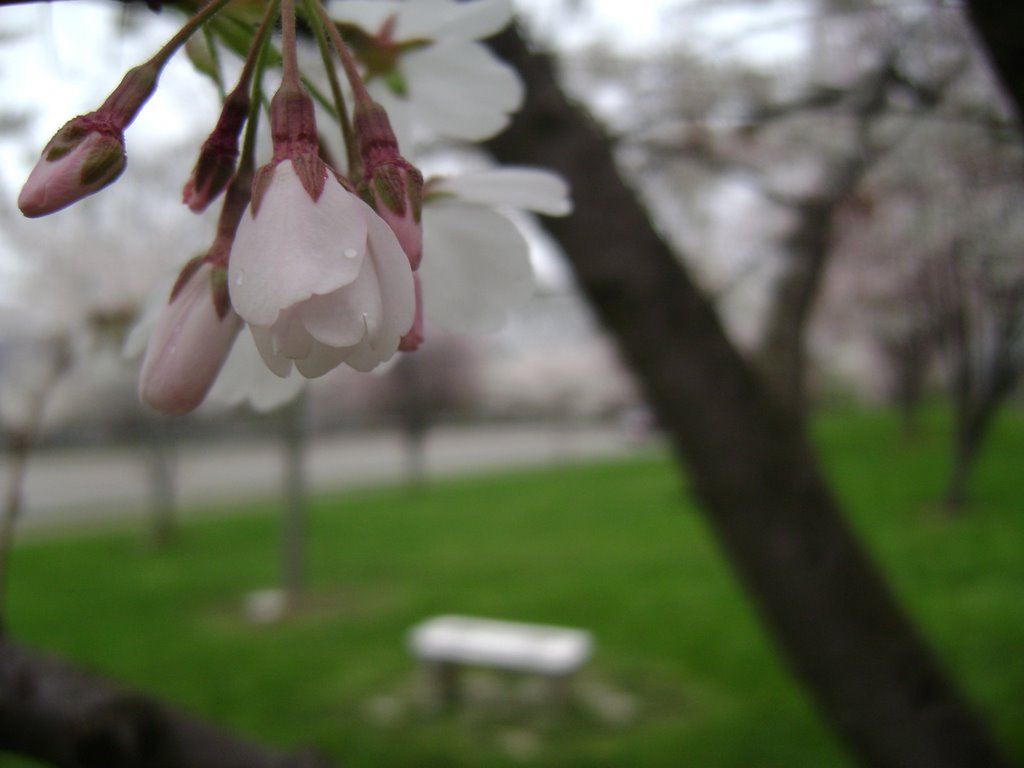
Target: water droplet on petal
x=350, y=253
x=238, y=279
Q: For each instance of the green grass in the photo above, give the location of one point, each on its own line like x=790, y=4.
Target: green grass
x=683, y=674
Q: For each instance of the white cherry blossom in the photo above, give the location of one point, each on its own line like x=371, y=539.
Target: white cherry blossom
x=319, y=282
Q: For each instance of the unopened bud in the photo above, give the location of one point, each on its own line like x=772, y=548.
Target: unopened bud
x=395, y=191
x=293, y=122
x=192, y=339
x=391, y=185
x=216, y=163
x=84, y=156
x=293, y=131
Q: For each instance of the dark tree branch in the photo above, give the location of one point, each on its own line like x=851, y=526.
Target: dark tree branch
x=61, y=715
x=831, y=613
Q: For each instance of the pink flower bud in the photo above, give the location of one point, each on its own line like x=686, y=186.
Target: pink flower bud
x=84, y=156
x=391, y=185
x=87, y=154
x=192, y=338
x=216, y=163
x=394, y=191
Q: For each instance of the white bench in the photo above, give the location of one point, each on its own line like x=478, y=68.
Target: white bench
x=447, y=643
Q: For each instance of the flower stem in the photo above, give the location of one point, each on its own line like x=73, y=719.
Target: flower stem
x=239, y=190
x=344, y=54
x=256, y=50
x=201, y=16
x=290, y=65
x=139, y=82
x=317, y=23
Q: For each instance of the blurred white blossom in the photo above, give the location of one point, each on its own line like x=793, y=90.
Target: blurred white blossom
x=476, y=263
x=435, y=75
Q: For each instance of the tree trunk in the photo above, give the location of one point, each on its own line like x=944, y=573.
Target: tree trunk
x=974, y=418
x=822, y=599
x=965, y=451
x=781, y=353
x=1000, y=24
x=161, y=466
x=296, y=495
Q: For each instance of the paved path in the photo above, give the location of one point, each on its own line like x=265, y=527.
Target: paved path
x=68, y=487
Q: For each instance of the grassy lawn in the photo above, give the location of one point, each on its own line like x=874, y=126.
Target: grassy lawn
x=682, y=676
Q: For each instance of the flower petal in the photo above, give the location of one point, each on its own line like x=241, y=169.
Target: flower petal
x=476, y=267
x=430, y=20
x=295, y=248
x=343, y=318
x=531, y=189
x=244, y=380
x=263, y=338
x=291, y=339
x=397, y=292
x=364, y=357
x=321, y=359
x=460, y=90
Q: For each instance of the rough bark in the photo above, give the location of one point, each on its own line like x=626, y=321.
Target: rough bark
x=824, y=602
x=781, y=353
x=1000, y=25
x=63, y=716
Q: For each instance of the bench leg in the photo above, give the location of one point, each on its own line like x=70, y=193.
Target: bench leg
x=560, y=690
x=443, y=679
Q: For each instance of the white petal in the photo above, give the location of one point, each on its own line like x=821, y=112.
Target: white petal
x=476, y=267
x=397, y=291
x=460, y=90
x=291, y=339
x=294, y=248
x=321, y=359
x=364, y=357
x=263, y=338
x=343, y=318
x=152, y=305
x=430, y=20
x=531, y=189
x=473, y=21
x=245, y=379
